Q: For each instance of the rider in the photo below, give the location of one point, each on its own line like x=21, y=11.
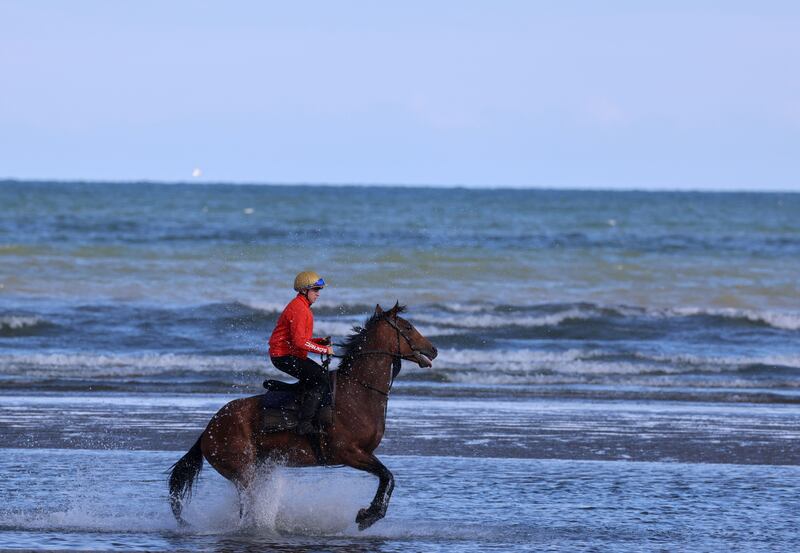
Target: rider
x=290, y=343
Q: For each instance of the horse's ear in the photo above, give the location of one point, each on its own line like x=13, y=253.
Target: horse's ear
x=378, y=310
x=394, y=309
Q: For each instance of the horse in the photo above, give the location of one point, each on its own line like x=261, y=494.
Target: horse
x=235, y=443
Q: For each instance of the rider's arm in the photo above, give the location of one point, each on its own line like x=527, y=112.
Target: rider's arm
x=301, y=335
x=316, y=348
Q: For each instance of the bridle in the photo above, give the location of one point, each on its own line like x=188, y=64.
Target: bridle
x=396, y=357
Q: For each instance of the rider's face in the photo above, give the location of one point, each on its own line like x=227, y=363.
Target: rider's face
x=312, y=295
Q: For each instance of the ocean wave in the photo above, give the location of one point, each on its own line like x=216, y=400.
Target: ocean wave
x=535, y=366
x=775, y=319
x=22, y=325
x=578, y=365
x=86, y=365
x=453, y=366
x=492, y=320
x=441, y=319
x=321, y=307
x=722, y=362
x=338, y=319
x=238, y=328
x=16, y=322
x=546, y=315
x=600, y=374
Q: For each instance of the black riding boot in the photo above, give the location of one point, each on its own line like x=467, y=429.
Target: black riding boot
x=325, y=416
x=305, y=416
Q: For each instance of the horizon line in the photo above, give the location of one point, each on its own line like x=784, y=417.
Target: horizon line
x=484, y=187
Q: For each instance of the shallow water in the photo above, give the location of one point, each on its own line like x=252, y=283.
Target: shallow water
x=87, y=471
x=92, y=499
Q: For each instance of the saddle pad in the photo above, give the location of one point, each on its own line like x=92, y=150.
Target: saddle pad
x=279, y=400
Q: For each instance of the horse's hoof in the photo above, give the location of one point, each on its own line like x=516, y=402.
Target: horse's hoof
x=365, y=518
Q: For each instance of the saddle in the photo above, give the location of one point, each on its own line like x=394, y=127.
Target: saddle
x=280, y=405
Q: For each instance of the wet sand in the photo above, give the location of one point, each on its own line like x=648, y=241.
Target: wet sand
x=689, y=432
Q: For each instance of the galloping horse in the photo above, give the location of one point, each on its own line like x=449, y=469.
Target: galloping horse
x=234, y=442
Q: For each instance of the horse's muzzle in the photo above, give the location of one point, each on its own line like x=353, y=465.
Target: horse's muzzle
x=424, y=358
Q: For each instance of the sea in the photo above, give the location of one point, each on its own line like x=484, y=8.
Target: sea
x=618, y=370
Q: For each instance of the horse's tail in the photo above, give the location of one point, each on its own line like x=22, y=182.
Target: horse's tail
x=181, y=479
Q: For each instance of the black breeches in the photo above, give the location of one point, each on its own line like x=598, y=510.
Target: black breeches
x=310, y=374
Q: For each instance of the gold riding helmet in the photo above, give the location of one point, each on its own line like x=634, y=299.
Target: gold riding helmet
x=306, y=280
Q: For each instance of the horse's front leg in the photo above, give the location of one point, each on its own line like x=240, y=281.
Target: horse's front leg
x=377, y=509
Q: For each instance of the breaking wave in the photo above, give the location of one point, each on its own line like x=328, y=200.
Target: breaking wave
x=775, y=319
x=120, y=365
x=22, y=325
x=555, y=315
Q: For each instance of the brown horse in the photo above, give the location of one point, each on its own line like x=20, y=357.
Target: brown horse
x=234, y=443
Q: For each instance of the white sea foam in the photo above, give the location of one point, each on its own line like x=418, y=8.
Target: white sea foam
x=777, y=319
x=266, y=306
x=324, y=327
x=712, y=361
x=532, y=366
x=15, y=322
x=486, y=317
x=456, y=365
x=278, y=306
x=575, y=365
x=89, y=365
x=481, y=357
x=341, y=329
x=493, y=320
x=469, y=307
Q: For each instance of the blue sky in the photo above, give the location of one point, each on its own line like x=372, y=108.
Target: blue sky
x=680, y=95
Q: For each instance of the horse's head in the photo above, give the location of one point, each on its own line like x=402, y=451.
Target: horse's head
x=401, y=334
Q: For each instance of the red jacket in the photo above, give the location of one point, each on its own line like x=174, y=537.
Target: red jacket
x=292, y=334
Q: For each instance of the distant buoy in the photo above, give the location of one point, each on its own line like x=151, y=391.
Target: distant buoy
x=196, y=172
x=249, y=211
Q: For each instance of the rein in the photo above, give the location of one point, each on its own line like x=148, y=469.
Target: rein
x=396, y=357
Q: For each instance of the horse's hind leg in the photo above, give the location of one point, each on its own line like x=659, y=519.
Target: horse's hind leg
x=239, y=470
x=244, y=501
x=249, y=486
x=377, y=509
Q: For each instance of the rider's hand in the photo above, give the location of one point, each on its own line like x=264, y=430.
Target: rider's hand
x=326, y=341
x=330, y=350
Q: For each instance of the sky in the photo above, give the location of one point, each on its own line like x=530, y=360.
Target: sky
x=613, y=94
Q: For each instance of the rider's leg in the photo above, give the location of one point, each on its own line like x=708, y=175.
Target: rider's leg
x=314, y=381
x=317, y=377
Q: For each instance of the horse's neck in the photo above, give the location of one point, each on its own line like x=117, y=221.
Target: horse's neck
x=374, y=369
x=369, y=372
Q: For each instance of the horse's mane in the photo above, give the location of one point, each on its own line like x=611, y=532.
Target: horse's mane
x=355, y=342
